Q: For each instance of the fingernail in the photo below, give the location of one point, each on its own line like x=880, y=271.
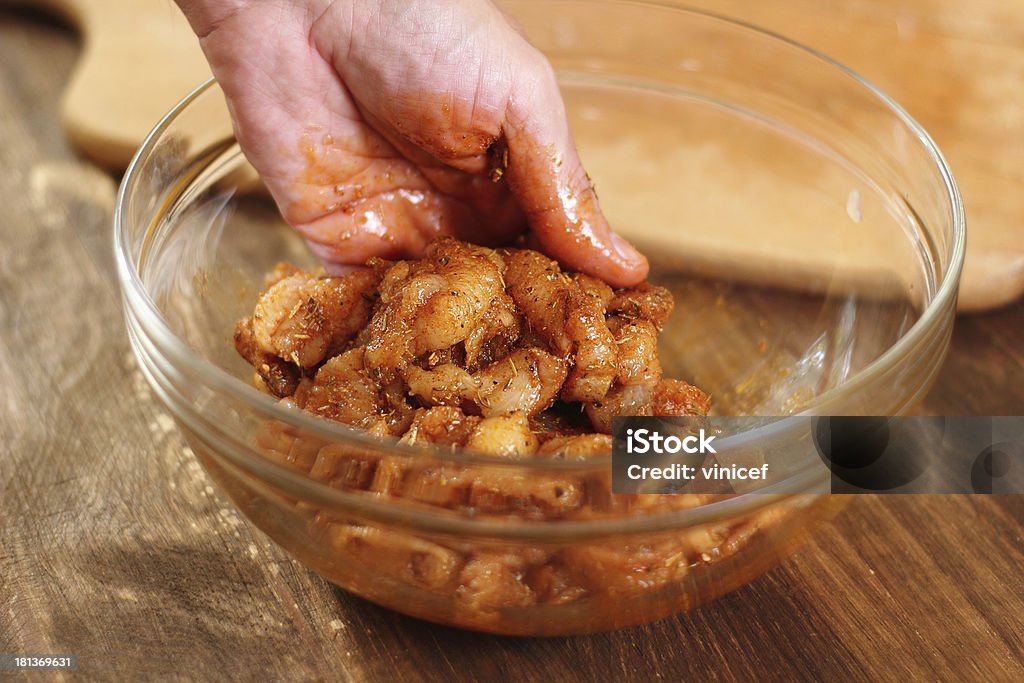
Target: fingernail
x=626, y=250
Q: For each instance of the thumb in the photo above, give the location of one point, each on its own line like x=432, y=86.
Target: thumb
x=546, y=176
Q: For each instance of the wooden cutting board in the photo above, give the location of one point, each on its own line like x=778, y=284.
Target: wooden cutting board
x=957, y=67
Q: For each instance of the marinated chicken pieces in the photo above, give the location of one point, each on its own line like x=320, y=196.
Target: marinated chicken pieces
x=494, y=351
x=503, y=336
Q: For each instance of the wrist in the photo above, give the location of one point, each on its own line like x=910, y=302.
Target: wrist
x=206, y=15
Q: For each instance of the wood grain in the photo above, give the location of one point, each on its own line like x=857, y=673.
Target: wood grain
x=137, y=60
x=114, y=546
x=958, y=68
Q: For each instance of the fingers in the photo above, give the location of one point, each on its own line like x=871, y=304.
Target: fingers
x=547, y=177
x=393, y=224
x=498, y=217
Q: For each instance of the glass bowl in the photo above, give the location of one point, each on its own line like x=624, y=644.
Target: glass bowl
x=810, y=230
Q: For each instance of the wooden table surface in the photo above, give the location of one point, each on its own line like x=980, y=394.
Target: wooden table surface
x=115, y=547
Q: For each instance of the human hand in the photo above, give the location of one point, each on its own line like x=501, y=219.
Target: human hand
x=380, y=124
